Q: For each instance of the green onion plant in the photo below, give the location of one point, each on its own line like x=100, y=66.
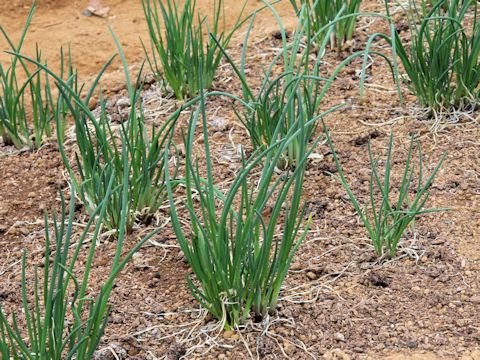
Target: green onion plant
x=25, y=107
x=239, y=254
x=275, y=106
x=62, y=318
x=384, y=218
x=441, y=61
x=101, y=149
x=178, y=44
x=321, y=13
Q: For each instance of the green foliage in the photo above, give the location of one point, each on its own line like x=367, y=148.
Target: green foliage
x=105, y=153
x=233, y=244
x=386, y=221
x=297, y=92
x=100, y=156
x=442, y=59
x=27, y=109
x=62, y=320
x=180, y=46
x=19, y=126
x=321, y=13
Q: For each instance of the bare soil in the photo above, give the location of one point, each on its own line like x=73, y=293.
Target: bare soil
x=339, y=301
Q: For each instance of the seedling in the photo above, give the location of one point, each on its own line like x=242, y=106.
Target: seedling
x=442, y=59
x=62, y=320
x=102, y=150
x=178, y=44
x=236, y=252
x=321, y=13
x=20, y=126
x=275, y=108
x=386, y=221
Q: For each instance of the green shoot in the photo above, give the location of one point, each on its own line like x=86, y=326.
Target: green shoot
x=180, y=45
x=321, y=13
x=442, y=59
x=233, y=244
x=386, y=221
x=62, y=320
x=275, y=106
x=14, y=115
x=102, y=148
x=26, y=109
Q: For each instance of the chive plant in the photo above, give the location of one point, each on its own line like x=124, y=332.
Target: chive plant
x=101, y=150
x=276, y=101
x=441, y=61
x=323, y=12
x=384, y=219
x=25, y=107
x=275, y=108
x=239, y=255
x=180, y=45
x=70, y=77
x=63, y=320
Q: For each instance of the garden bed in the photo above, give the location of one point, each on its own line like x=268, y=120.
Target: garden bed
x=339, y=301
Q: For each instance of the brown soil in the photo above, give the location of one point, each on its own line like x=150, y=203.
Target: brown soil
x=339, y=301
x=60, y=23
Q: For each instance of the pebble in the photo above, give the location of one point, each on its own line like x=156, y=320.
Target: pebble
x=412, y=344
x=336, y=354
x=475, y=299
x=229, y=334
x=92, y=104
x=219, y=123
x=339, y=336
x=123, y=102
x=288, y=347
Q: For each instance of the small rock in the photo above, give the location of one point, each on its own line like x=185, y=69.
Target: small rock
x=412, y=344
x=219, y=123
x=295, y=265
x=336, y=354
x=311, y=275
x=227, y=334
x=176, y=351
x=231, y=335
x=116, y=118
x=475, y=299
x=123, y=102
x=138, y=260
x=288, y=347
x=339, y=336
x=92, y=104
x=24, y=231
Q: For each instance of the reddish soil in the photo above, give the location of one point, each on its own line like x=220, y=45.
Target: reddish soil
x=339, y=301
x=60, y=23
